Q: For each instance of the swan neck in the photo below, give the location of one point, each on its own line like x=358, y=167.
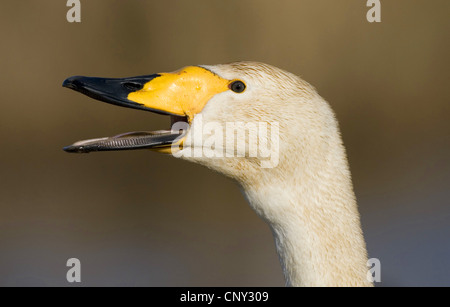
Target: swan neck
x=317, y=231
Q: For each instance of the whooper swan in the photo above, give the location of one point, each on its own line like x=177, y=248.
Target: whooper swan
x=305, y=195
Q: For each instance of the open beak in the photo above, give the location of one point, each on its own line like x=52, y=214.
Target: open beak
x=181, y=94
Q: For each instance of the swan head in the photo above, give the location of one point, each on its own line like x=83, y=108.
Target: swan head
x=250, y=121
x=271, y=132
x=255, y=129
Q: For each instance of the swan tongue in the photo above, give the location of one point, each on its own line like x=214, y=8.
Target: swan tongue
x=126, y=141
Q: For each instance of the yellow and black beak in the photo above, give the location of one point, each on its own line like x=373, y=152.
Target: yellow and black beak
x=111, y=90
x=181, y=94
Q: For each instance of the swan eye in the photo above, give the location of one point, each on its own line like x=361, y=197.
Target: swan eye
x=237, y=86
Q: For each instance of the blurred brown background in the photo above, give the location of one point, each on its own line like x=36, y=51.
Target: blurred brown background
x=142, y=219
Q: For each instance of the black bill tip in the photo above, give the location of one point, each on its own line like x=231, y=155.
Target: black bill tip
x=111, y=90
x=73, y=82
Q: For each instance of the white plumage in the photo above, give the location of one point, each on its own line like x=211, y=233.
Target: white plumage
x=308, y=199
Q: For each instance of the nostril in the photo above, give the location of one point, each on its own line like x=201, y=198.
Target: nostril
x=132, y=86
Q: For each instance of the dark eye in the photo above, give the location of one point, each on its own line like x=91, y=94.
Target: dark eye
x=237, y=86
